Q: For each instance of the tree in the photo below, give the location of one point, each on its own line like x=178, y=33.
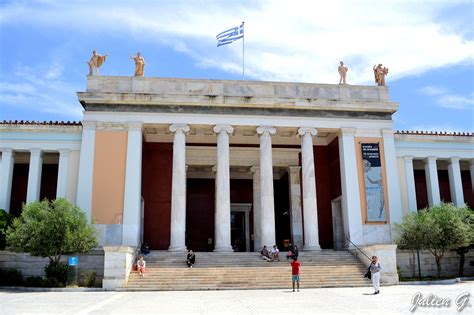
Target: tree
x=468, y=216
x=448, y=230
x=411, y=235
x=51, y=229
x=6, y=220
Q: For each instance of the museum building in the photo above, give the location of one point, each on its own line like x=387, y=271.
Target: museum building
x=215, y=165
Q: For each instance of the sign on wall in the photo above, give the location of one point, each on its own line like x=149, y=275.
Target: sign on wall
x=373, y=182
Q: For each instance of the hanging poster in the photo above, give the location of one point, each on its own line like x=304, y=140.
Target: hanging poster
x=373, y=181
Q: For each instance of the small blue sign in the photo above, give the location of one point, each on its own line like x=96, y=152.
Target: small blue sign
x=73, y=261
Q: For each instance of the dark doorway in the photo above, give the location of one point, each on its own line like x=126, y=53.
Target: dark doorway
x=237, y=231
x=282, y=212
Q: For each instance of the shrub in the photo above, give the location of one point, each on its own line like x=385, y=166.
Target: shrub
x=35, y=281
x=10, y=277
x=6, y=219
x=91, y=279
x=61, y=272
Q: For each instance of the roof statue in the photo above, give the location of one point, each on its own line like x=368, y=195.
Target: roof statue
x=139, y=64
x=380, y=73
x=342, y=73
x=95, y=62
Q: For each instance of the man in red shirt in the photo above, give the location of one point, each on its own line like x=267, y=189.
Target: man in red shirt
x=295, y=273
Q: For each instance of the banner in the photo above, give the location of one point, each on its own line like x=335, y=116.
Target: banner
x=373, y=181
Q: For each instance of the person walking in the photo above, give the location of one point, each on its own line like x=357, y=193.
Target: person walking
x=375, y=273
x=295, y=273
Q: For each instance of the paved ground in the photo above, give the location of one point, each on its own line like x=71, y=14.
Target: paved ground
x=392, y=300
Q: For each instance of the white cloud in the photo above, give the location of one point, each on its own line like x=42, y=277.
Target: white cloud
x=286, y=41
x=446, y=99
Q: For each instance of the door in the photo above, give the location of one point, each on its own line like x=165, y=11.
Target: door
x=238, y=231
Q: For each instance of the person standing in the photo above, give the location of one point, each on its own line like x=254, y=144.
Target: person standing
x=295, y=273
x=375, y=271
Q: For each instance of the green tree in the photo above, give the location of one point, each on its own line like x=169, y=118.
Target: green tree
x=6, y=220
x=411, y=234
x=51, y=229
x=448, y=230
x=468, y=216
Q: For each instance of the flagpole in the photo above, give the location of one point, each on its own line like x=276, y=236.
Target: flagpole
x=243, y=53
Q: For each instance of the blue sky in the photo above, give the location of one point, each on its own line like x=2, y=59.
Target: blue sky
x=429, y=49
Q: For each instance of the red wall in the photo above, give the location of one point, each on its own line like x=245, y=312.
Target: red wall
x=467, y=188
x=19, y=188
x=420, y=187
x=49, y=181
x=157, y=162
x=444, y=191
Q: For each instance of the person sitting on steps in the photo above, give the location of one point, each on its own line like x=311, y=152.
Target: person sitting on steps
x=190, y=259
x=275, y=253
x=264, y=253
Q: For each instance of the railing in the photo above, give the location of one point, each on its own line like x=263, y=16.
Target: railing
x=360, y=250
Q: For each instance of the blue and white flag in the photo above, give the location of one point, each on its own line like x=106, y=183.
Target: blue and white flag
x=231, y=35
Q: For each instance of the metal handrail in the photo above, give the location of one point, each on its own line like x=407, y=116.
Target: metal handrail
x=360, y=250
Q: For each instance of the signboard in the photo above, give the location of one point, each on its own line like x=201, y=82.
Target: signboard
x=373, y=182
x=73, y=261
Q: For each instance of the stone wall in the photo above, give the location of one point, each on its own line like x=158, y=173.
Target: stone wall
x=449, y=264
x=387, y=258
x=34, y=266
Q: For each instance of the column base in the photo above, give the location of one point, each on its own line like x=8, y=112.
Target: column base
x=223, y=248
x=178, y=248
x=311, y=248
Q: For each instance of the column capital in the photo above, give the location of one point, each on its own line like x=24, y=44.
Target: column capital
x=134, y=126
x=387, y=132
x=347, y=131
x=307, y=130
x=261, y=130
x=430, y=159
x=89, y=124
x=8, y=152
x=294, y=169
x=214, y=169
x=408, y=158
x=454, y=159
x=64, y=152
x=226, y=128
x=36, y=152
x=254, y=169
x=179, y=127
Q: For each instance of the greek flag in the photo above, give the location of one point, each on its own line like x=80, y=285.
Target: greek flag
x=231, y=35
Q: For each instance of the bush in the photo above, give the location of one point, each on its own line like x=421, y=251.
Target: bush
x=59, y=274
x=35, y=282
x=6, y=220
x=91, y=279
x=10, y=277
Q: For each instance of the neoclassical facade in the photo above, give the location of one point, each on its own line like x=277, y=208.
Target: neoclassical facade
x=234, y=165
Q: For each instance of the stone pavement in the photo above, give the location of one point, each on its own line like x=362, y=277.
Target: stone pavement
x=392, y=300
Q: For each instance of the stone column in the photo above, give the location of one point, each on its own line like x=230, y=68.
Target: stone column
x=310, y=207
x=294, y=179
x=133, y=182
x=431, y=173
x=86, y=168
x=178, y=189
x=63, y=167
x=267, y=206
x=257, y=228
x=411, y=189
x=8, y=162
x=222, y=211
x=34, y=175
x=455, y=181
x=393, y=183
x=351, y=210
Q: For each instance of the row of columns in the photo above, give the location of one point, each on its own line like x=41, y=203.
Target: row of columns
x=264, y=213
x=432, y=184
x=34, y=175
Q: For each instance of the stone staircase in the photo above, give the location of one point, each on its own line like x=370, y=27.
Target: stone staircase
x=167, y=271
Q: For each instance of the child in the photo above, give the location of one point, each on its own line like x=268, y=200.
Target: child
x=141, y=266
x=295, y=273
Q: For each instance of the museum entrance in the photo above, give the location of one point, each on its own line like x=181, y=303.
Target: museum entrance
x=240, y=227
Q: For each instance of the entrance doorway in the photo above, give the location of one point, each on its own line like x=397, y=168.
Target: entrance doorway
x=240, y=227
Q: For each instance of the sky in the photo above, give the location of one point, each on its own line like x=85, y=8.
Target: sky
x=428, y=47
